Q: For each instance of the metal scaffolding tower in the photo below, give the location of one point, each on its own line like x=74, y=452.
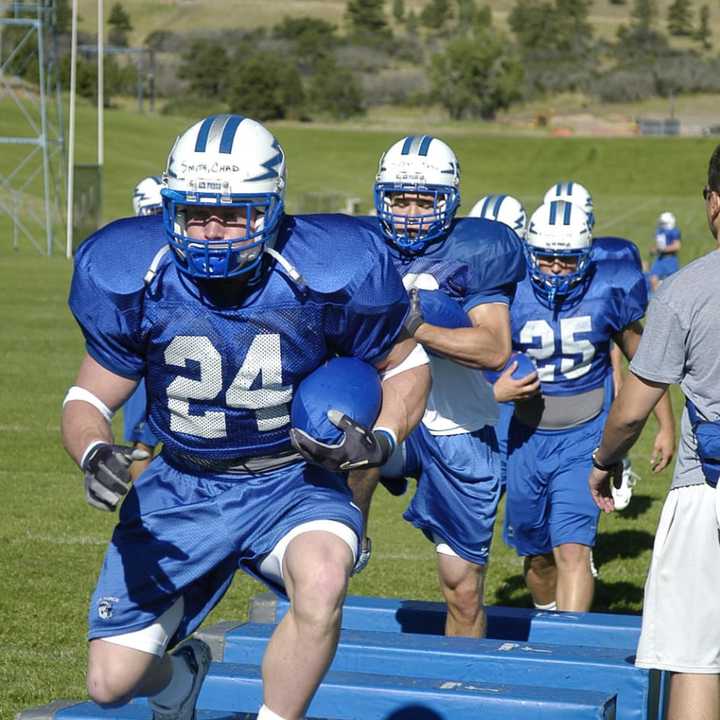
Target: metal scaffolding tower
x=32, y=174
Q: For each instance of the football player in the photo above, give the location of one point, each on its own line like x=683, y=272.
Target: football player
x=503, y=208
x=453, y=453
x=566, y=311
x=665, y=248
x=146, y=200
x=605, y=247
x=224, y=305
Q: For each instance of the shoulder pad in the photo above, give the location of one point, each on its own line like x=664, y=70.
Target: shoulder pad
x=493, y=252
x=118, y=256
x=615, y=248
x=618, y=273
x=355, y=245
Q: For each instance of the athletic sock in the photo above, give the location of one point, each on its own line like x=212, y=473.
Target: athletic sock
x=265, y=713
x=550, y=607
x=179, y=686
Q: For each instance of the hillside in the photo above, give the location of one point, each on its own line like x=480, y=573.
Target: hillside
x=190, y=15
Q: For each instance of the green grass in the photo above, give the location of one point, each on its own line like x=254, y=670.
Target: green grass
x=51, y=543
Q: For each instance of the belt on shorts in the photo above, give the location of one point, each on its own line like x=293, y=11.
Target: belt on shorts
x=250, y=465
x=560, y=412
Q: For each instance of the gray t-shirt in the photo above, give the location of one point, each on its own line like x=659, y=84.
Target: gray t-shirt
x=681, y=345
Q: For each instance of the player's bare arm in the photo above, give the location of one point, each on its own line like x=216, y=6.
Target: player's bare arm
x=664, y=443
x=486, y=345
x=623, y=427
x=404, y=398
x=82, y=422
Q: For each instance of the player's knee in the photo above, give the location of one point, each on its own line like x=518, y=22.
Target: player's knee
x=573, y=557
x=319, y=593
x=108, y=688
x=465, y=601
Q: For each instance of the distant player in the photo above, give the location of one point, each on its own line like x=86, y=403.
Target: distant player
x=510, y=211
x=665, y=249
x=224, y=306
x=605, y=247
x=565, y=313
x=454, y=454
x=146, y=200
x=502, y=208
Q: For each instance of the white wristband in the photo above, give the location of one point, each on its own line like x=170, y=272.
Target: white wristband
x=78, y=393
x=89, y=449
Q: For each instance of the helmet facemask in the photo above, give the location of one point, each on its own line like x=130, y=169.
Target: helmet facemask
x=558, y=230
x=223, y=163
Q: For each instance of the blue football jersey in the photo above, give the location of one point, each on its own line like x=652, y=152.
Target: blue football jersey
x=570, y=341
x=616, y=248
x=221, y=374
x=479, y=261
x=665, y=237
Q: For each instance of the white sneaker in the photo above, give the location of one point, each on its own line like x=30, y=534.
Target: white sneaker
x=623, y=494
x=197, y=656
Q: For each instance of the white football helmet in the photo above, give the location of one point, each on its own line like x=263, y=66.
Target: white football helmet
x=667, y=221
x=226, y=161
x=558, y=229
x=575, y=193
x=503, y=208
x=146, y=197
x=417, y=164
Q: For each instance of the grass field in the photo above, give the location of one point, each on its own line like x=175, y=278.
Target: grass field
x=51, y=543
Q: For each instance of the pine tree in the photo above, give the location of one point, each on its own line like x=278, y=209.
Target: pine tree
x=679, y=19
x=704, y=33
x=366, y=20
x=399, y=10
x=120, y=25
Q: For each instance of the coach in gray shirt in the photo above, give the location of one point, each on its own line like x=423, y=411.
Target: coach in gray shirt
x=680, y=345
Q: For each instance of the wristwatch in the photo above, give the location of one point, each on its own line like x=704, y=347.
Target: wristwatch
x=599, y=466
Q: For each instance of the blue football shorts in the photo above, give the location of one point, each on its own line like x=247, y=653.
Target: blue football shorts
x=548, y=498
x=458, y=488
x=182, y=534
x=664, y=266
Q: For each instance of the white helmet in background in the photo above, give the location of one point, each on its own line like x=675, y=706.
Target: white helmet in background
x=558, y=229
x=224, y=161
x=575, y=193
x=667, y=221
x=502, y=208
x=146, y=197
x=417, y=164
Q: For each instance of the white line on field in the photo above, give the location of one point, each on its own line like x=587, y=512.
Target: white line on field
x=62, y=539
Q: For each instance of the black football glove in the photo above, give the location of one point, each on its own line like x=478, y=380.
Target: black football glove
x=358, y=448
x=107, y=474
x=414, y=318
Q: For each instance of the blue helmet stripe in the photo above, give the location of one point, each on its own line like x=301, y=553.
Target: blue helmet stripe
x=425, y=145
x=407, y=145
x=485, y=207
x=569, y=187
x=553, y=212
x=558, y=190
x=231, y=126
x=202, y=138
x=498, y=203
x=566, y=216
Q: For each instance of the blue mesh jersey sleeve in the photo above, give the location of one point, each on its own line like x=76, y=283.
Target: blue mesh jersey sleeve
x=365, y=301
x=490, y=261
x=616, y=248
x=627, y=290
x=106, y=294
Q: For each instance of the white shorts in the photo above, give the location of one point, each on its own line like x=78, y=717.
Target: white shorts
x=681, y=611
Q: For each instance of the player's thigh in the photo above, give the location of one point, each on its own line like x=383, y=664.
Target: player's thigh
x=457, y=573
x=573, y=515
